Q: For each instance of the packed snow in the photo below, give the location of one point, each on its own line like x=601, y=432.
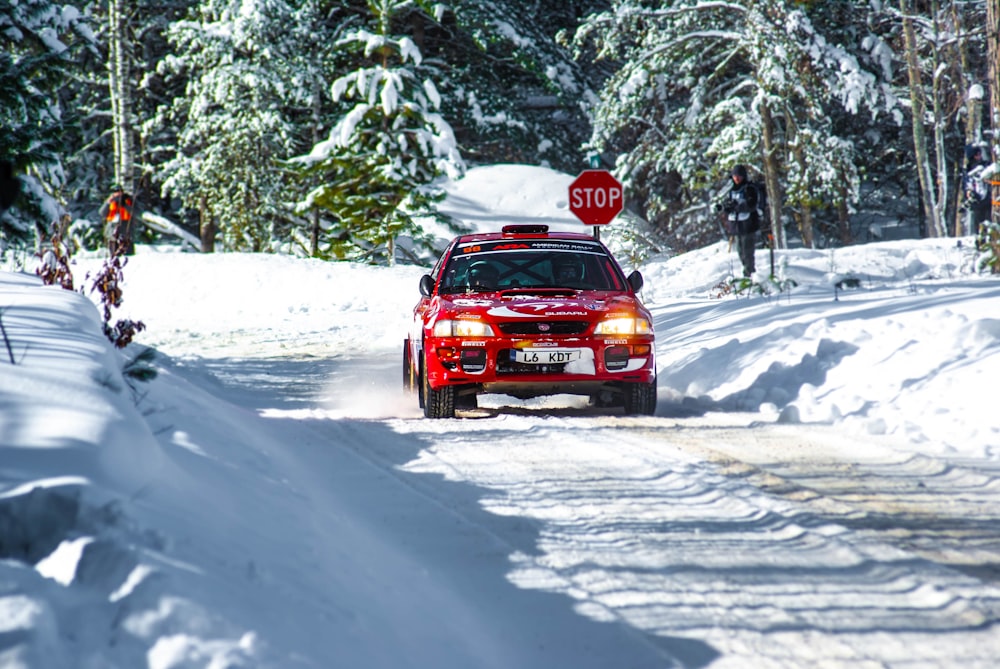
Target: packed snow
x=272, y=498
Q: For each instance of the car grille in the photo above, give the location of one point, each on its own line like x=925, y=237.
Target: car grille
x=543, y=328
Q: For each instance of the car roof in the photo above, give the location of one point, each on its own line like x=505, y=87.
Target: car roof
x=523, y=231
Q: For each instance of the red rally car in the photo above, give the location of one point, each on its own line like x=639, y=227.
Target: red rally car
x=526, y=312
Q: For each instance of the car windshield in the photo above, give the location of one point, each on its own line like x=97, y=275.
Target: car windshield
x=573, y=266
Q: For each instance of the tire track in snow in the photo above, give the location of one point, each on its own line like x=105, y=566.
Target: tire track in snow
x=770, y=558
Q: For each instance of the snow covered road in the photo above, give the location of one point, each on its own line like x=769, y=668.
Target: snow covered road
x=543, y=535
x=673, y=529
x=692, y=540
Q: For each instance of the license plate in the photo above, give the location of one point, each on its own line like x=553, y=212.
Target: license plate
x=546, y=356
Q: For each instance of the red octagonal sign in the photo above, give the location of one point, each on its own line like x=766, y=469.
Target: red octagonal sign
x=596, y=197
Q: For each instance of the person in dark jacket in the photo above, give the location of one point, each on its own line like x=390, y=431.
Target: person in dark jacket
x=742, y=218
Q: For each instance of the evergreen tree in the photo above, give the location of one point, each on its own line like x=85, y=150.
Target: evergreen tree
x=223, y=92
x=379, y=164
x=237, y=58
x=703, y=85
x=39, y=43
x=88, y=150
x=509, y=88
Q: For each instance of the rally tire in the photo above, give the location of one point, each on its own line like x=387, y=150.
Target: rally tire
x=640, y=399
x=439, y=403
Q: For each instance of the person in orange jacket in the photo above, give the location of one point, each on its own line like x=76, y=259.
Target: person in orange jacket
x=117, y=213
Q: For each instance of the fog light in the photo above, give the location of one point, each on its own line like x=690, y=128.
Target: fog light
x=641, y=349
x=473, y=359
x=616, y=357
x=446, y=353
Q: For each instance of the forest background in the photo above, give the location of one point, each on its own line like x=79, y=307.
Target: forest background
x=321, y=127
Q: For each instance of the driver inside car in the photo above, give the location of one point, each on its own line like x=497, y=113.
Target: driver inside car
x=483, y=275
x=568, y=271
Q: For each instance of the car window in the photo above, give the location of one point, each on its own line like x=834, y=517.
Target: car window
x=531, y=265
x=436, y=272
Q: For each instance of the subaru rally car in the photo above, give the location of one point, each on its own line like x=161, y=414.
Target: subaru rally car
x=526, y=312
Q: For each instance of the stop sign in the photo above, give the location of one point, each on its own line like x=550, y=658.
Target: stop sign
x=596, y=197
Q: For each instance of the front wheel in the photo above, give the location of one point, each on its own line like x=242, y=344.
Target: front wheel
x=438, y=403
x=640, y=399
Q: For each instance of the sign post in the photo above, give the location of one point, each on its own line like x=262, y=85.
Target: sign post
x=596, y=197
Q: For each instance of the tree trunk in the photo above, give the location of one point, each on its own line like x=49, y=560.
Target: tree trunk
x=973, y=112
x=206, y=225
x=771, y=180
x=939, y=82
x=993, y=42
x=806, y=227
x=314, y=234
x=973, y=103
x=119, y=83
x=843, y=216
x=805, y=215
x=934, y=227
x=316, y=124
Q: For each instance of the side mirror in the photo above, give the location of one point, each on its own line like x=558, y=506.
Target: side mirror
x=426, y=285
x=635, y=280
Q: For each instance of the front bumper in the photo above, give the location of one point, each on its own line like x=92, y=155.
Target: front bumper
x=494, y=364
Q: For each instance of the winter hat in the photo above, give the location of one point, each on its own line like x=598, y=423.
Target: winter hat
x=972, y=152
x=739, y=171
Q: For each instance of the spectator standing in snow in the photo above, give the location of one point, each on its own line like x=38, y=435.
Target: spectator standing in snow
x=742, y=218
x=975, y=190
x=117, y=215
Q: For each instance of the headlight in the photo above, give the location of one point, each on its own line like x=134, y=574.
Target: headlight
x=623, y=326
x=449, y=328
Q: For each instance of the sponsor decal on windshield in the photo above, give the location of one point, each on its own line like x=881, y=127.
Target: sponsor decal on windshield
x=526, y=245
